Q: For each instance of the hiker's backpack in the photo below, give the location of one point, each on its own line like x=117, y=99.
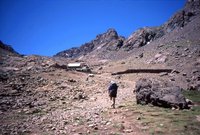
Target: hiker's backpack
x=113, y=86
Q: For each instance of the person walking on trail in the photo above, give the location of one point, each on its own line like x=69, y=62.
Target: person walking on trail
x=112, y=91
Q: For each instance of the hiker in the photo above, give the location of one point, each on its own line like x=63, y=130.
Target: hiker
x=112, y=91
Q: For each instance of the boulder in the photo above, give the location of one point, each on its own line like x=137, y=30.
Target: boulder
x=159, y=93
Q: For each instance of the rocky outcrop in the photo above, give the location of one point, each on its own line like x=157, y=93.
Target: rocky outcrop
x=142, y=37
x=110, y=39
x=147, y=34
x=112, y=42
x=183, y=17
x=159, y=93
x=7, y=50
x=73, y=52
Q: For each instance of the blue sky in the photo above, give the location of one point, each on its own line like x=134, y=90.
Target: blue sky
x=45, y=27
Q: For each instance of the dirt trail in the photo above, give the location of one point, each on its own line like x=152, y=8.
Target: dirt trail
x=102, y=116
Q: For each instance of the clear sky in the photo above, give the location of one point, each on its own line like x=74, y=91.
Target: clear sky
x=45, y=27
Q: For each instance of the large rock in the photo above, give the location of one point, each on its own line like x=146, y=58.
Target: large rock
x=159, y=93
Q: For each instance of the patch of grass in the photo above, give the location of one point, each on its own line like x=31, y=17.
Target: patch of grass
x=192, y=95
x=166, y=121
x=163, y=121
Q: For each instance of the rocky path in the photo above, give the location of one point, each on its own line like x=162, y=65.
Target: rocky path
x=93, y=114
x=102, y=118
x=62, y=102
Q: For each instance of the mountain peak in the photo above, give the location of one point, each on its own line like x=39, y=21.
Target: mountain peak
x=110, y=34
x=111, y=30
x=111, y=41
x=110, y=37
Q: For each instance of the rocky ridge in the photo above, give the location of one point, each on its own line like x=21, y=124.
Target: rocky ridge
x=109, y=39
x=139, y=38
x=7, y=49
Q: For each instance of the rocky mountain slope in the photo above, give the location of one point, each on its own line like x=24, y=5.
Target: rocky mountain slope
x=112, y=42
x=7, y=50
x=108, y=40
x=174, y=44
